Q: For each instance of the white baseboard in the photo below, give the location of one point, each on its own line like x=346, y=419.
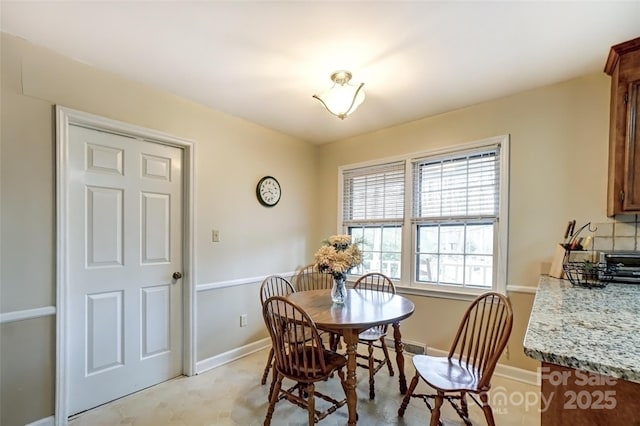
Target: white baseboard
x=232, y=355
x=518, y=374
x=47, y=421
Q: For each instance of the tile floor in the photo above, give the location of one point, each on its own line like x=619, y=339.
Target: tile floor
x=232, y=395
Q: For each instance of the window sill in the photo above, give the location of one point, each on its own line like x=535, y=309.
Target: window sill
x=445, y=293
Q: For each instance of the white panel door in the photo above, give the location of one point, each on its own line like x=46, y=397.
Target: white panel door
x=125, y=307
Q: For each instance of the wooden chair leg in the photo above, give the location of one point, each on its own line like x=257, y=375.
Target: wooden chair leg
x=486, y=409
x=407, y=395
x=311, y=403
x=302, y=391
x=385, y=349
x=464, y=407
x=463, y=404
x=334, y=341
x=273, y=382
x=268, y=366
x=343, y=381
x=435, y=413
x=273, y=399
x=372, y=392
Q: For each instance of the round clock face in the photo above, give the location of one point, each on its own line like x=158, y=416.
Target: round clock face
x=268, y=191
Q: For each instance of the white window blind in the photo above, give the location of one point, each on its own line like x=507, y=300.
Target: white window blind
x=433, y=221
x=459, y=186
x=374, y=194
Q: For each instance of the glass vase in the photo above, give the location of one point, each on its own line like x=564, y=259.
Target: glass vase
x=339, y=290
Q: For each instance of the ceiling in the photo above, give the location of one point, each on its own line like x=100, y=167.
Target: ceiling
x=263, y=60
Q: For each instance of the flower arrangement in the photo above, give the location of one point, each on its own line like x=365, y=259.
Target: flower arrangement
x=337, y=256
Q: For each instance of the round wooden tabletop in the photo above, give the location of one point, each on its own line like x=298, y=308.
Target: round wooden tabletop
x=362, y=308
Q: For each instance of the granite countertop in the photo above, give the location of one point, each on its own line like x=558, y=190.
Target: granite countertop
x=591, y=329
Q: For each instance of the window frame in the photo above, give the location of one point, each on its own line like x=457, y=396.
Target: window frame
x=407, y=282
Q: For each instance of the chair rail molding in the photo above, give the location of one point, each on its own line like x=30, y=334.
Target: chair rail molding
x=27, y=314
x=237, y=282
x=521, y=289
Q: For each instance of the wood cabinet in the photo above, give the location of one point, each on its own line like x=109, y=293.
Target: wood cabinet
x=576, y=397
x=623, y=191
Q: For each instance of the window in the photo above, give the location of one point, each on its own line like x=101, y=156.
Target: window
x=453, y=236
x=455, y=210
x=373, y=214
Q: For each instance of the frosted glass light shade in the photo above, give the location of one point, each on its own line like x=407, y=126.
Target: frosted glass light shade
x=342, y=98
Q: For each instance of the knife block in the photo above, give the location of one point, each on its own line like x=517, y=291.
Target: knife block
x=556, y=270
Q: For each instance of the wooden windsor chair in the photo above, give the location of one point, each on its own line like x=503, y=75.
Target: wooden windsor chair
x=481, y=338
x=374, y=337
x=310, y=278
x=273, y=285
x=303, y=360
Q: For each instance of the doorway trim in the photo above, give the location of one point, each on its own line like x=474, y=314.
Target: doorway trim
x=64, y=118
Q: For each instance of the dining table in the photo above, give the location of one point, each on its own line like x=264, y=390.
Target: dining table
x=361, y=310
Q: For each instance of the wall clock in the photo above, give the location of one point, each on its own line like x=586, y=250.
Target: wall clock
x=268, y=191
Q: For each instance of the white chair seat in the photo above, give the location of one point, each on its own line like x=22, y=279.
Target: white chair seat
x=445, y=373
x=372, y=334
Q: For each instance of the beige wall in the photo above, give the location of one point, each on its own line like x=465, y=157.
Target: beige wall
x=27, y=368
x=558, y=171
x=231, y=156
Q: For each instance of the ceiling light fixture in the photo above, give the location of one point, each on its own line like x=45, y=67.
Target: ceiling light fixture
x=342, y=98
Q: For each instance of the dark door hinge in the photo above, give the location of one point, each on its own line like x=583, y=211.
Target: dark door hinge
x=621, y=195
x=626, y=98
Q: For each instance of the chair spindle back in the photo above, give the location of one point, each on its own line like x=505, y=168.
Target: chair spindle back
x=483, y=334
x=297, y=345
x=275, y=285
x=375, y=281
x=309, y=278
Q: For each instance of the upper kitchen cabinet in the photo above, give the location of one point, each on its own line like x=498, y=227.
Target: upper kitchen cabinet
x=623, y=192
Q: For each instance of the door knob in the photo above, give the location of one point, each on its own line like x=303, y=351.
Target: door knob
x=177, y=275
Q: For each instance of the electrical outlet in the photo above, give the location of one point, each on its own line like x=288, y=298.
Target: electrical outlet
x=243, y=320
x=215, y=236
